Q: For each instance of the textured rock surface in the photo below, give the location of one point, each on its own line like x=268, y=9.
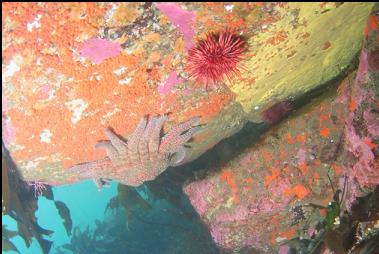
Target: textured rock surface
x=248, y=202
x=300, y=51
x=275, y=190
x=72, y=69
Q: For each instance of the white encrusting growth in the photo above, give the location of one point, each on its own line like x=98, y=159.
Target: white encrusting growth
x=120, y=71
x=229, y=7
x=125, y=81
x=46, y=136
x=11, y=69
x=76, y=107
x=34, y=24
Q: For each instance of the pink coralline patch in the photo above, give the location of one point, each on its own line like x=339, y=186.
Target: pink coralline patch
x=343, y=93
x=301, y=156
x=170, y=83
x=284, y=249
x=362, y=69
x=264, y=204
x=44, y=92
x=225, y=237
x=241, y=212
x=4, y=104
x=354, y=193
x=363, y=169
x=234, y=215
x=360, y=93
x=99, y=49
x=246, y=161
x=8, y=130
x=187, y=91
x=277, y=191
x=218, y=234
x=311, y=231
x=182, y=19
x=197, y=191
x=372, y=123
x=373, y=60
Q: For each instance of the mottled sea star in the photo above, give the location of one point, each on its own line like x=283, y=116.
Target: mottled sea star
x=144, y=155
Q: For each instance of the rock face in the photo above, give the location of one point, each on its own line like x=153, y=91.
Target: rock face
x=278, y=188
x=251, y=201
x=73, y=69
x=303, y=52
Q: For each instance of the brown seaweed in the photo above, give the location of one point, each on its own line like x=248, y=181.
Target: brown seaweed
x=64, y=212
x=6, y=235
x=21, y=204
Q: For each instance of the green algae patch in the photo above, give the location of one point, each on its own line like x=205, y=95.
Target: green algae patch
x=308, y=47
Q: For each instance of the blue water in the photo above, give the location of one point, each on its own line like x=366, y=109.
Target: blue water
x=163, y=228
x=85, y=203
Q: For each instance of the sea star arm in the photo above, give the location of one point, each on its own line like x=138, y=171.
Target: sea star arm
x=134, y=140
x=155, y=137
x=179, y=135
x=183, y=138
x=111, y=150
x=116, y=142
x=144, y=156
x=144, y=141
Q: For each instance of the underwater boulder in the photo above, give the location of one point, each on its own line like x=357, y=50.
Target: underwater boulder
x=71, y=70
x=297, y=186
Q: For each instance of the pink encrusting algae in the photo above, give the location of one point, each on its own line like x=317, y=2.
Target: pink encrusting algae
x=363, y=169
x=362, y=72
x=301, y=156
x=169, y=84
x=8, y=129
x=182, y=19
x=218, y=234
x=287, y=168
x=99, y=49
x=228, y=200
x=246, y=203
x=371, y=120
x=44, y=92
x=373, y=60
x=4, y=104
x=284, y=249
x=195, y=190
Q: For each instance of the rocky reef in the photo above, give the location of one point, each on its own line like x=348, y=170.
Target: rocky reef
x=289, y=126
x=295, y=189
